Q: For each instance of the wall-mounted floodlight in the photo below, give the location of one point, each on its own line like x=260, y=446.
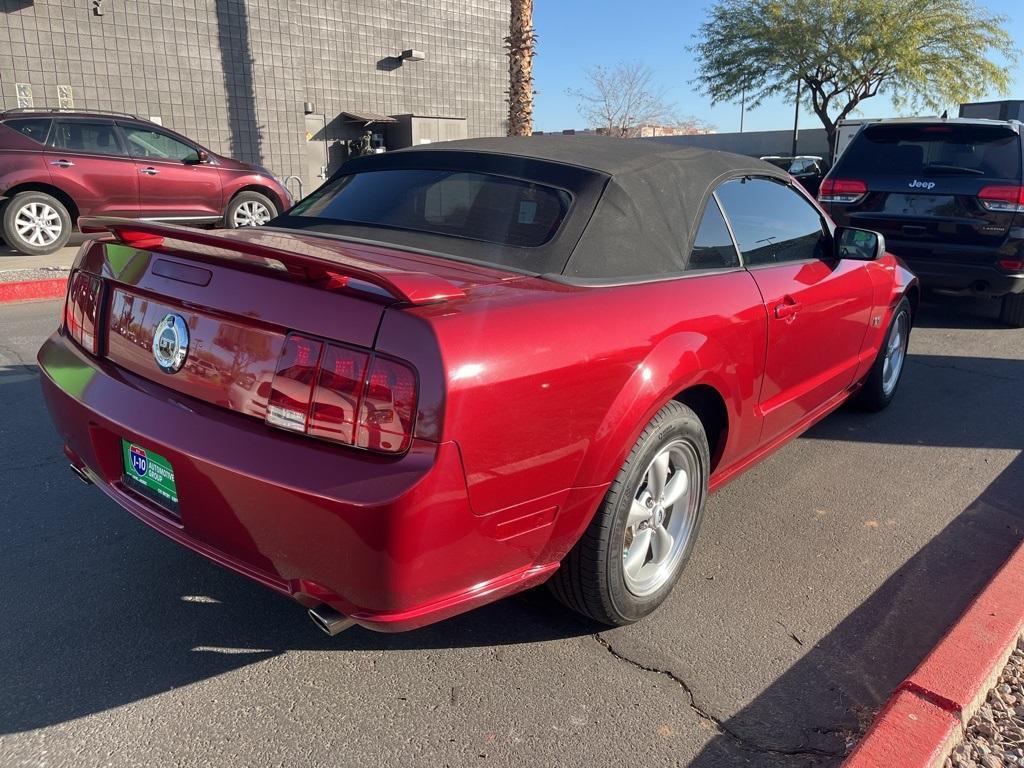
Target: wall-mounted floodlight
x=413, y=55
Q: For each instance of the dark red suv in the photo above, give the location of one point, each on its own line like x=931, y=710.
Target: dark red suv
x=56, y=166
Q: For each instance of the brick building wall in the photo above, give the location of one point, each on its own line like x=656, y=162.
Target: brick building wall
x=234, y=74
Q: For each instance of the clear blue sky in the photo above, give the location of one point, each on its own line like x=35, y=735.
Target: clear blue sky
x=576, y=34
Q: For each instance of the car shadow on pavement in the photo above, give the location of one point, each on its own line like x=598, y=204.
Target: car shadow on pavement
x=969, y=312
x=817, y=709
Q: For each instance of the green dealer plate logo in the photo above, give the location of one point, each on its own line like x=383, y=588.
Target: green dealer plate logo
x=150, y=474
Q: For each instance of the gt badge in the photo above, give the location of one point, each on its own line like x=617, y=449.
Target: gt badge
x=170, y=343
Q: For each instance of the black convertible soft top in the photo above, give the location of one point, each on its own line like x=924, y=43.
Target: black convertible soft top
x=636, y=202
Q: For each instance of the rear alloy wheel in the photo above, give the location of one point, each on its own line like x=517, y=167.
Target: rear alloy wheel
x=635, y=548
x=249, y=209
x=880, y=386
x=36, y=223
x=1012, y=310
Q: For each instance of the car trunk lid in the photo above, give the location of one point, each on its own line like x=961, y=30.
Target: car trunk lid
x=241, y=293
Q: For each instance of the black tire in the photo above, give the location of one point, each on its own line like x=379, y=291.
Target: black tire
x=591, y=579
x=53, y=215
x=874, y=395
x=244, y=201
x=1012, y=311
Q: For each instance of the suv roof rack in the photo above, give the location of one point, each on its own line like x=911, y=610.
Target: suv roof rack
x=59, y=110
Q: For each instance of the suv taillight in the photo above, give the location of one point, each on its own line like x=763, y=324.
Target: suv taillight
x=1004, y=199
x=82, y=310
x=842, y=191
x=344, y=395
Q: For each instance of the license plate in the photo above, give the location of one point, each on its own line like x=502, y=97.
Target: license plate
x=149, y=474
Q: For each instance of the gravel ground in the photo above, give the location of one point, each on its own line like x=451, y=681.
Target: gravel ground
x=41, y=273
x=995, y=736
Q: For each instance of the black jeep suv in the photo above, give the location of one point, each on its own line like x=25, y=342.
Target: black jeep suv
x=949, y=198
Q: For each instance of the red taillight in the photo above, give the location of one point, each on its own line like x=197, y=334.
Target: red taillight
x=344, y=395
x=1002, y=198
x=339, y=388
x=1012, y=265
x=388, y=408
x=82, y=311
x=842, y=190
x=292, y=390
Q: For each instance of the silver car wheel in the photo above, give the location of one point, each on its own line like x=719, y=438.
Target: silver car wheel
x=895, y=353
x=662, y=518
x=251, y=213
x=38, y=224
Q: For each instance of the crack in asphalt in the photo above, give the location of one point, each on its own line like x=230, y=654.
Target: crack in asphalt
x=741, y=742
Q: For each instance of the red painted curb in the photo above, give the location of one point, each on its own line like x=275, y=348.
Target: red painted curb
x=908, y=732
x=964, y=666
x=926, y=716
x=33, y=290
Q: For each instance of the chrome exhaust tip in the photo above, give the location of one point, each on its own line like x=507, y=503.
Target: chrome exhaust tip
x=80, y=473
x=329, y=620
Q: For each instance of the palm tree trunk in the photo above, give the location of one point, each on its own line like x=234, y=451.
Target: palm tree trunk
x=520, y=41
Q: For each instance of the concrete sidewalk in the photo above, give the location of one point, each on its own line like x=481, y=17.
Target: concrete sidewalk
x=17, y=267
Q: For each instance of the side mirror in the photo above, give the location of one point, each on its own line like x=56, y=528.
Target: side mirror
x=859, y=244
x=201, y=156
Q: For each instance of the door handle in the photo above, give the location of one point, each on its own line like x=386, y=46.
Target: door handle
x=787, y=308
x=150, y=171
x=62, y=163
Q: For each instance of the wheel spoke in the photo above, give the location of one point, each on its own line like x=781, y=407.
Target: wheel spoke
x=636, y=556
x=677, y=486
x=637, y=513
x=658, y=475
x=661, y=544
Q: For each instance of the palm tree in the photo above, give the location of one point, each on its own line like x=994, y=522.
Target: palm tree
x=520, y=41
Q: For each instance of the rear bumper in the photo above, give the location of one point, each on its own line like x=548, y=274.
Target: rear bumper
x=390, y=542
x=951, y=276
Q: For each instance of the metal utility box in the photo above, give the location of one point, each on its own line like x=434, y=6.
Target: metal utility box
x=994, y=110
x=412, y=130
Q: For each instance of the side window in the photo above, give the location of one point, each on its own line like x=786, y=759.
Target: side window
x=35, y=128
x=90, y=138
x=713, y=247
x=157, y=145
x=772, y=222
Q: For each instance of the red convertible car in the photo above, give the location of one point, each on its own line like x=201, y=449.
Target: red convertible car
x=455, y=372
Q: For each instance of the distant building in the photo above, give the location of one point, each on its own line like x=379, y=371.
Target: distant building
x=647, y=130
x=283, y=83
x=685, y=129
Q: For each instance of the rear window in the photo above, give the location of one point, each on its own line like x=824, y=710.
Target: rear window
x=35, y=128
x=91, y=138
x=475, y=206
x=936, y=149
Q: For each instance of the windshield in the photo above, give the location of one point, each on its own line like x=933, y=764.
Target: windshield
x=934, y=149
x=476, y=206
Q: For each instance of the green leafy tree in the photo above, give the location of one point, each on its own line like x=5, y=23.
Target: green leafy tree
x=925, y=54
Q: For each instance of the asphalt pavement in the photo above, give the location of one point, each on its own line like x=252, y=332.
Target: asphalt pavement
x=820, y=579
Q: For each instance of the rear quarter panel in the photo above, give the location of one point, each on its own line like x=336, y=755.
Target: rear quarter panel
x=545, y=387
x=21, y=167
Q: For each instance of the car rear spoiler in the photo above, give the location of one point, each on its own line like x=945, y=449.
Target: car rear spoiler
x=334, y=269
